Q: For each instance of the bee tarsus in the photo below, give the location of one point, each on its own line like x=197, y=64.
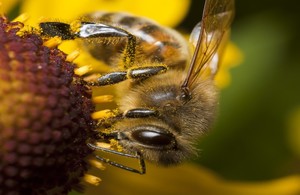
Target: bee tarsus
x=59, y=29
x=140, y=113
x=92, y=30
x=133, y=73
x=142, y=165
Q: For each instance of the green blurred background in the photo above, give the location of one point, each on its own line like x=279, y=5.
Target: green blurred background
x=251, y=138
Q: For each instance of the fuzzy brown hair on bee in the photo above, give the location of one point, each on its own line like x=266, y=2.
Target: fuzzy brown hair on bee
x=166, y=93
x=154, y=43
x=168, y=138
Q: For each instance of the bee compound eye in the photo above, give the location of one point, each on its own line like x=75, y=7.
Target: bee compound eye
x=153, y=138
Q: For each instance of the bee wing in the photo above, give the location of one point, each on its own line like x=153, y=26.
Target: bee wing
x=214, y=29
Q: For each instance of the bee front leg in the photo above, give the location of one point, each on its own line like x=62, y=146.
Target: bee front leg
x=133, y=73
x=88, y=30
x=140, y=113
x=115, y=164
x=109, y=117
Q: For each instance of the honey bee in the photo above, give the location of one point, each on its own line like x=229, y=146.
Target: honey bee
x=167, y=95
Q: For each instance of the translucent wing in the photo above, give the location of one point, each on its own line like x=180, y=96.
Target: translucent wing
x=214, y=27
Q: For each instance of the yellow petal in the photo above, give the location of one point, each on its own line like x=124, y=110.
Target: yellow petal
x=84, y=58
x=167, y=12
x=232, y=57
x=7, y=5
x=187, y=179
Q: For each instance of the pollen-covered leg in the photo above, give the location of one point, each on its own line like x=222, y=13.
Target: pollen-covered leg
x=113, y=163
x=140, y=113
x=59, y=29
x=92, y=30
x=133, y=73
x=110, y=116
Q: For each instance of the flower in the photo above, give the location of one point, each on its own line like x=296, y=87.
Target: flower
x=45, y=116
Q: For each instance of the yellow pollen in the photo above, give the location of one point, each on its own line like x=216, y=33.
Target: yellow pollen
x=73, y=55
x=91, y=179
x=103, y=99
x=83, y=70
x=75, y=26
x=53, y=42
x=103, y=145
x=103, y=114
x=21, y=18
x=97, y=164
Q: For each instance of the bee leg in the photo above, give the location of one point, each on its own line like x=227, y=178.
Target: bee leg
x=140, y=113
x=115, y=164
x=141, y=162
x=92, y=30
x=106, y=118
x=133, y=73
x=60, y=29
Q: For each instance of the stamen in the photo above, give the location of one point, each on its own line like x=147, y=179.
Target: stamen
x=83, y=70
x=53, y=42
x=103, y=145
x=103, y=114
x=73, y=55
x=21, y=18
x=103, y=99
x=91, y=179
x=97, y=164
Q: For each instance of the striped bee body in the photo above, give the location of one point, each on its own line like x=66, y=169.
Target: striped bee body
x=154, y=44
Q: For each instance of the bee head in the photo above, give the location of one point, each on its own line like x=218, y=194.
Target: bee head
x=168, y=137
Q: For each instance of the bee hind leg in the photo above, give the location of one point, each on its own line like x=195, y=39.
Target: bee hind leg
x=140, y=113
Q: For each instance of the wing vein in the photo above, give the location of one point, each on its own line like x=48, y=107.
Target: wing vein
x=216, y=20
